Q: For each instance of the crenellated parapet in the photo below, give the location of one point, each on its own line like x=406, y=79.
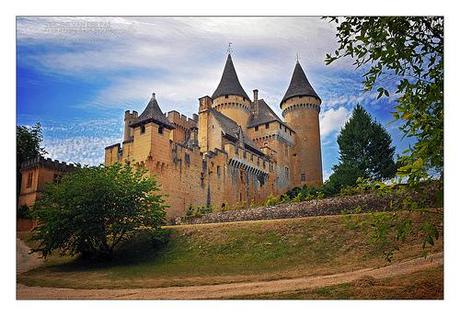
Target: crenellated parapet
x=48, y=163
x=181, y=120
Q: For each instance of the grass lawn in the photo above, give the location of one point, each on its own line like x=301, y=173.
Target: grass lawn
x=231, y=252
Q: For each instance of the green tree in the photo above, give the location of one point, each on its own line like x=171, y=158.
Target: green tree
x=89, y=212
x=343, y=175
x=28, y=140
x=408, y=51
x=365, y=151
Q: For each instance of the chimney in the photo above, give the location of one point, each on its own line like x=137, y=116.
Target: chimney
x=256, y=101
x=205, y=103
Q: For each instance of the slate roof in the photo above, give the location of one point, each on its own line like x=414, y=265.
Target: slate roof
x=264, y=115
x=233, y=130
x=152, y=113
x=229, y=83
x=299, y=86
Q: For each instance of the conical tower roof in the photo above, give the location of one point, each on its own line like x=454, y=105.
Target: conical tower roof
x=229, y=83
x=299, y=86
x=152, y=113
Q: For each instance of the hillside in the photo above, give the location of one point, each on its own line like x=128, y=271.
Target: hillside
x=234, y=252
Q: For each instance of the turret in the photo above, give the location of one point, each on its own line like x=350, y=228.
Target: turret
x=301, y=106
x=129, y=119
x=230, y=98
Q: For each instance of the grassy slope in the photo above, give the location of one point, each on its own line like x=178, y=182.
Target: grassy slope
x=426, y=284
x=230, y=252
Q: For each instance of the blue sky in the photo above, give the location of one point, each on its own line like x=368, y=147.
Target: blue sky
x=77, y=76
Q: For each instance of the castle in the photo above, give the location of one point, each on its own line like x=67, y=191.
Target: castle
x=234, y=152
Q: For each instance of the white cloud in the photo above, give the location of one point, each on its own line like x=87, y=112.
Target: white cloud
x=332, y=120
x=180, y=58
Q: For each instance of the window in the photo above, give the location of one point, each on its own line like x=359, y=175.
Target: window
x=142, y=129
x=160, y=129
x=257, y=128
x=267, y=125
x=218, y=171
x=302, y=177
x=286, y=171
x=29, y=179
x=226, y=96
x=281, y=126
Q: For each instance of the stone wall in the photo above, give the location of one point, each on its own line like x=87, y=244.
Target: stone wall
x=330, y=206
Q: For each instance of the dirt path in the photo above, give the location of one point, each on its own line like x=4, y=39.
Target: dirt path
x=231, y=289
x=25, y=261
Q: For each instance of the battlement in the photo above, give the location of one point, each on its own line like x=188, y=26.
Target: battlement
x=48, y=163
x=182, y=120
x=132, y=114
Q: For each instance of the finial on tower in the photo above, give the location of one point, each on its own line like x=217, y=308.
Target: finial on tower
x=153, y=95
x=229, y=49
x=297, y=57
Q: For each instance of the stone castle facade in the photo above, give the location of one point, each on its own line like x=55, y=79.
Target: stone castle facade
x=36, y=173
x=234, y=152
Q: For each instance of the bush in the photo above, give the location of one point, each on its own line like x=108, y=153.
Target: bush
x=198, y=211
x=272, y=200
x=24, y=212
x=92, y=210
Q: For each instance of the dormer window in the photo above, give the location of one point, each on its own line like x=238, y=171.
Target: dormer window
x=257, y=128
x=226, y=96
x=160, y=129
x=267, y=125
x=142, y=129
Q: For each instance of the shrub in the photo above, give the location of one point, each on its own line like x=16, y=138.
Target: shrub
x=272, y=200
x=24, y=212
x=92, y=210
x=198, y=211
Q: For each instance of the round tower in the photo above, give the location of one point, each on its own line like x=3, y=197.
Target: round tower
x=301, y=106
x=230, y=98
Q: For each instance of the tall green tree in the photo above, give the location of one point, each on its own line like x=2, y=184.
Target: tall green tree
x=408, y=51
x=92, y=210
x=365, y=151
x=28, y=146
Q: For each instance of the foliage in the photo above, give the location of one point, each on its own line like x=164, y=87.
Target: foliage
x=28, y=140
x=93, y=209
x=410, y=51
x=272, y=200
x=365, y=151
x=345, y=175
x=198, y=211
x=24, y=212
